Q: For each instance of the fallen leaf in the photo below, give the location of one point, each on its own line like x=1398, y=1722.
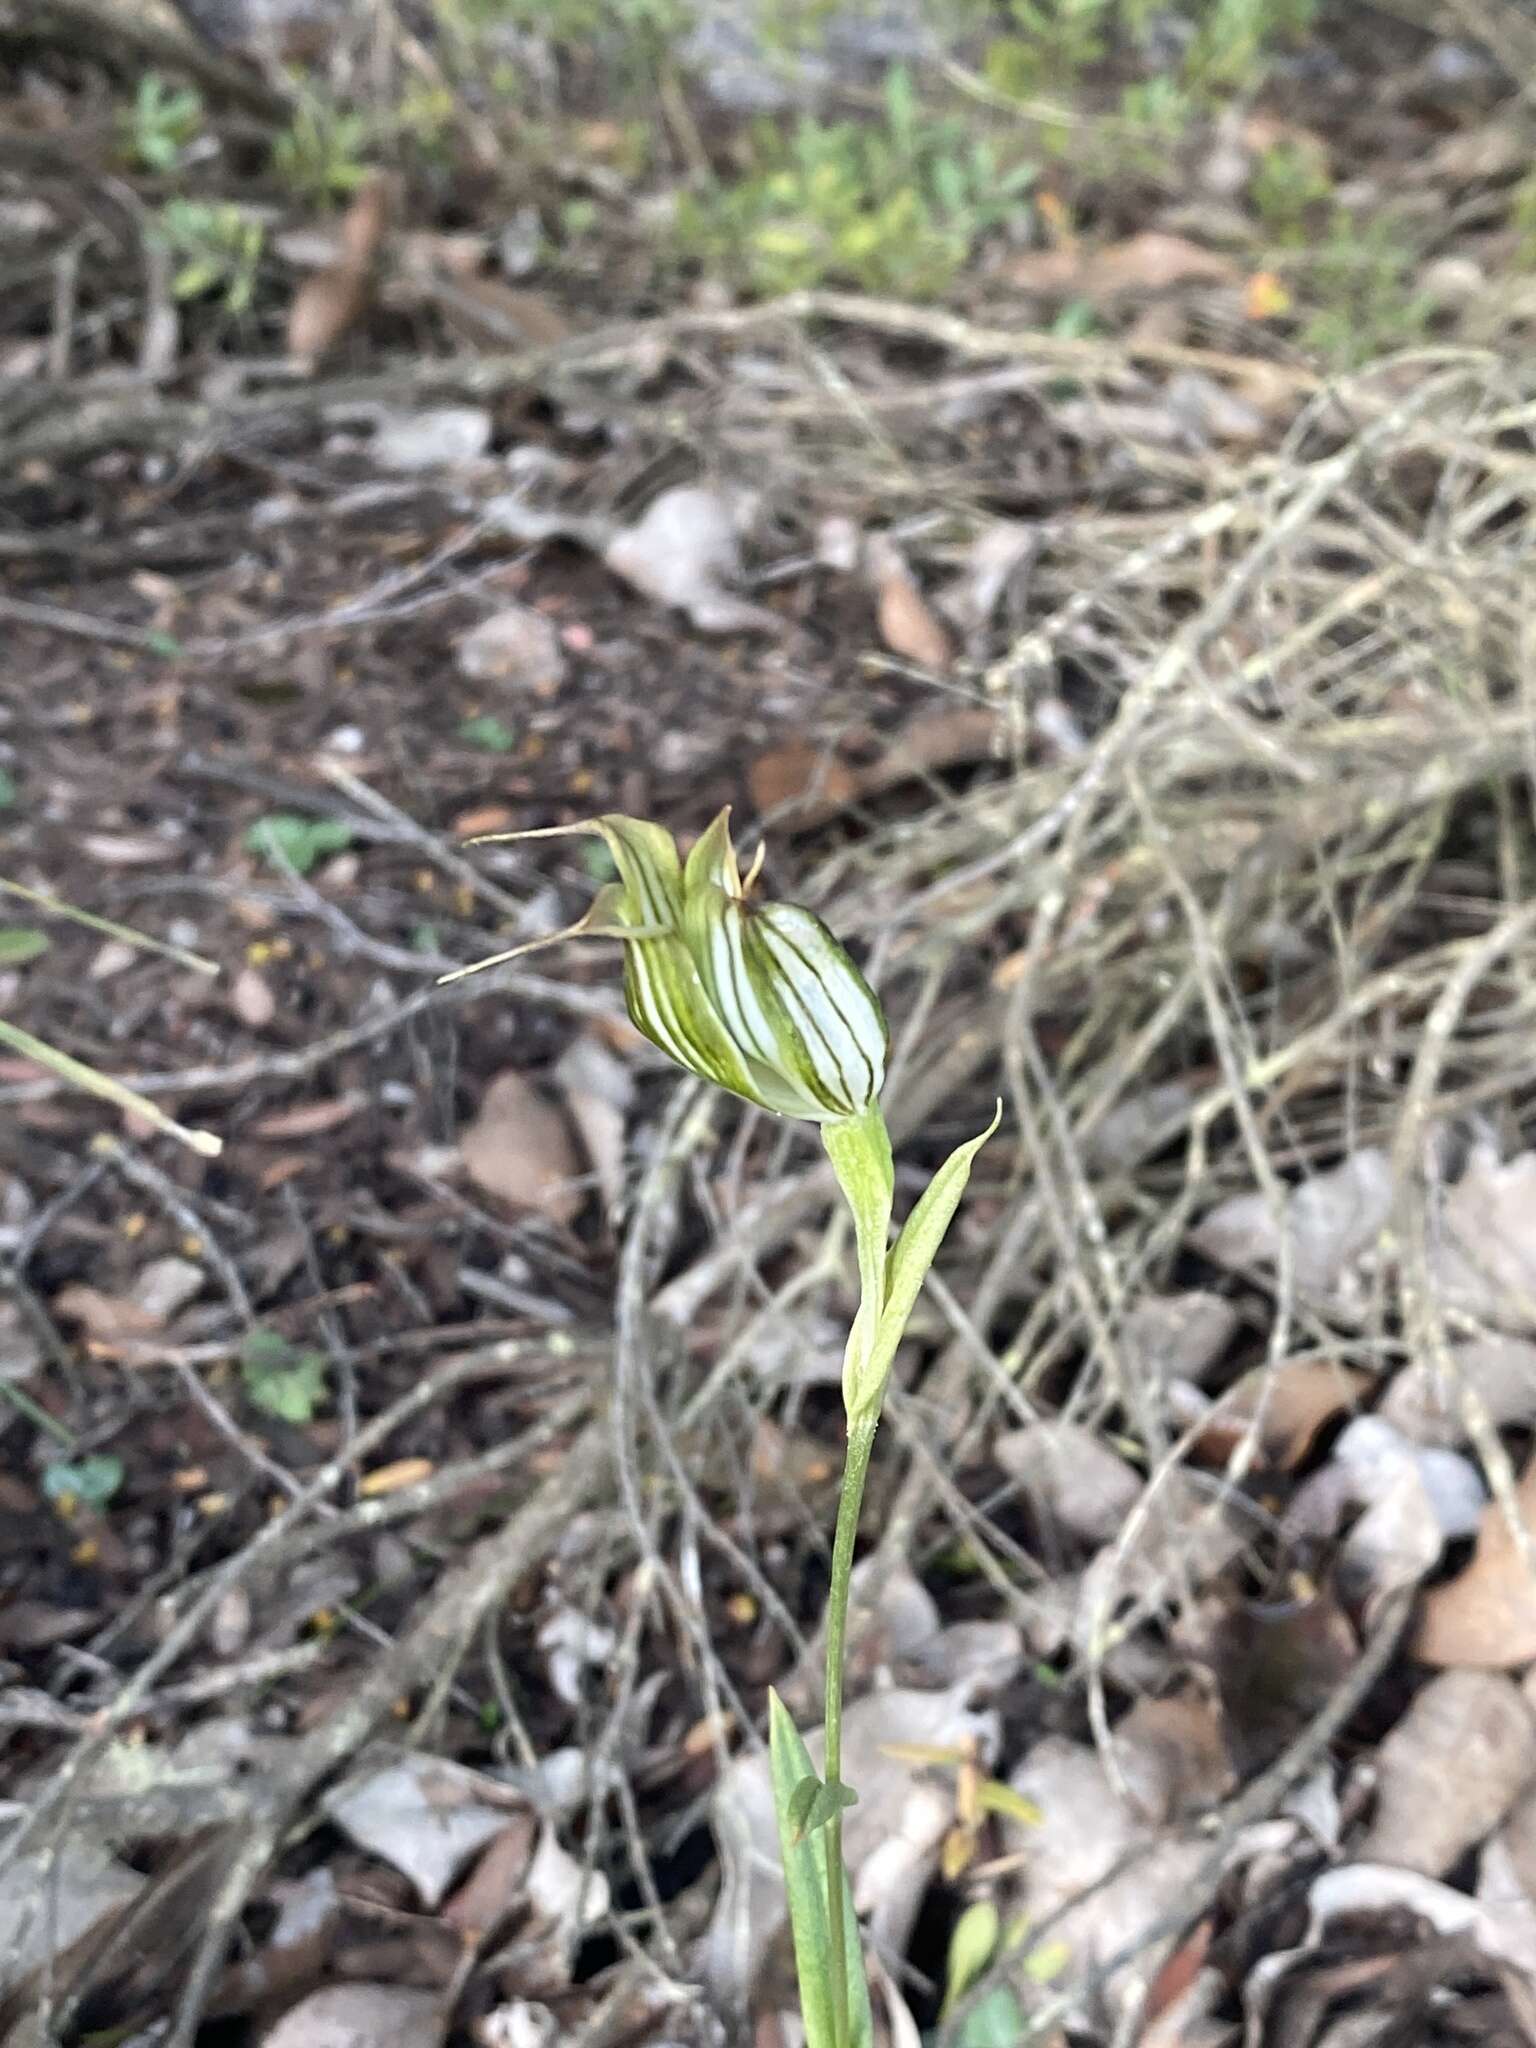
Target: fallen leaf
x=1176, y=1336
x=573, y=1643
x=906, y=624
x=517, y=646
x=1486, y=1615
x=1277, y=1664
x=1000, y=556
x=422, y=1815
x=498, y=1882
x=1331, y=1222
x=324, y=307
x=489, y=314
x=685, y=551
x=562, y=1893
x=803, y=776
x=410, y=442
x=109, y=1320
x=1285, y=1404
x=1483, y=1247
x=1148, y=262
x=165, y=1286
x=126, y=849
x=307, y=1119
x=1430, y=1401
x=925, y=745
x=487, y=818
x=1471, y=1730
x=329, y=302
x=519, y=1148
x=1071, y=1477
x=599, y=1089
x=252, y=1000
x=361, y=2016
x=1415, y=1501
x=394, y=1477
x=51, y=1898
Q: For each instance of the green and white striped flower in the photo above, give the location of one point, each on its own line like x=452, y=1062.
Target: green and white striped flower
x=756, y=997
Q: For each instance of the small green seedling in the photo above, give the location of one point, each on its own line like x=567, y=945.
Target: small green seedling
x=286, y=840
x=281, y=1380
x=218, y=245
x=83, y=1482
x=162, y=124
x=492, y=735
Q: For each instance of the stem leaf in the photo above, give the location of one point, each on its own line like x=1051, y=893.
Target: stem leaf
x=805, y=1883
x=911, y=1257
x=813, y=1803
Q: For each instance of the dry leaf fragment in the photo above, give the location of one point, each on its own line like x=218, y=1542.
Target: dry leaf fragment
x=685, y=551
x=1286, y=1405
x=52, y=1897
x=497, y=1883
x=598, y=1088
x=252, y=1000
x=1483, y=1255
x=516, y=645
x=936, y=740
x=410, y=442
x=1071, y=1476
x=361, y=2016
x=519, y=1148
x=307, y=1119
x=1486, y=1615
x=1430, y=1401
x=1148, y=262
x=422, y=1815
x=110, y=1320
x=165, y=1286
x=324, y=307
x=1331, y=1221
x=803, y=775
x=907, y=626
x=1450, y=1770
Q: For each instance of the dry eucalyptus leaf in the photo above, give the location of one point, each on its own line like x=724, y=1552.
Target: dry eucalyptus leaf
x=599, y=1089
x=108, y=1319
x=519, y=1148
x=409, y=442
x=999, y=556
x=1486, y=1615
x=517, y=646
x=1330, y=1221
x=1483, y=1251
x=1166, y=1336
x=324, y=307
x=1506, y=1882
x=907, y=626
x=50, y=1899
x=564, y=1895
x=165, y=1286
x=1071, y=1477
x=1148, y=262
x=799, y=774
x=361, y=2016
x=1085, y=1829
x=685, y=551
x=498, y=1882
x=422, y=1815
x=21, y=1349
x=1429, y=1401
x=938, y=739
x=1450, y=1770
x=1286, y=1405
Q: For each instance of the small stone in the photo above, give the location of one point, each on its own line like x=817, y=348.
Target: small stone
x=515, y=646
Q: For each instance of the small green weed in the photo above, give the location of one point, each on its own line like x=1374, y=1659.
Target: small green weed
x=1361, y=285
x=492, y=735
x=280, y=1380
x=898, y=204
x=83, y=1482
x=20, y=943
x=319, y=157
x=219, y=246
x=287, y=840
x=162, y=123
x=1289, y=186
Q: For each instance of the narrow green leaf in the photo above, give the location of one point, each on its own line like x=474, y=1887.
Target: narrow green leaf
x=20, y=943
x=971, y=1945
x=914, y=1253
x=801, y=1800
x=805, y=1884
x=860, y=1151
x=993, y=1796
